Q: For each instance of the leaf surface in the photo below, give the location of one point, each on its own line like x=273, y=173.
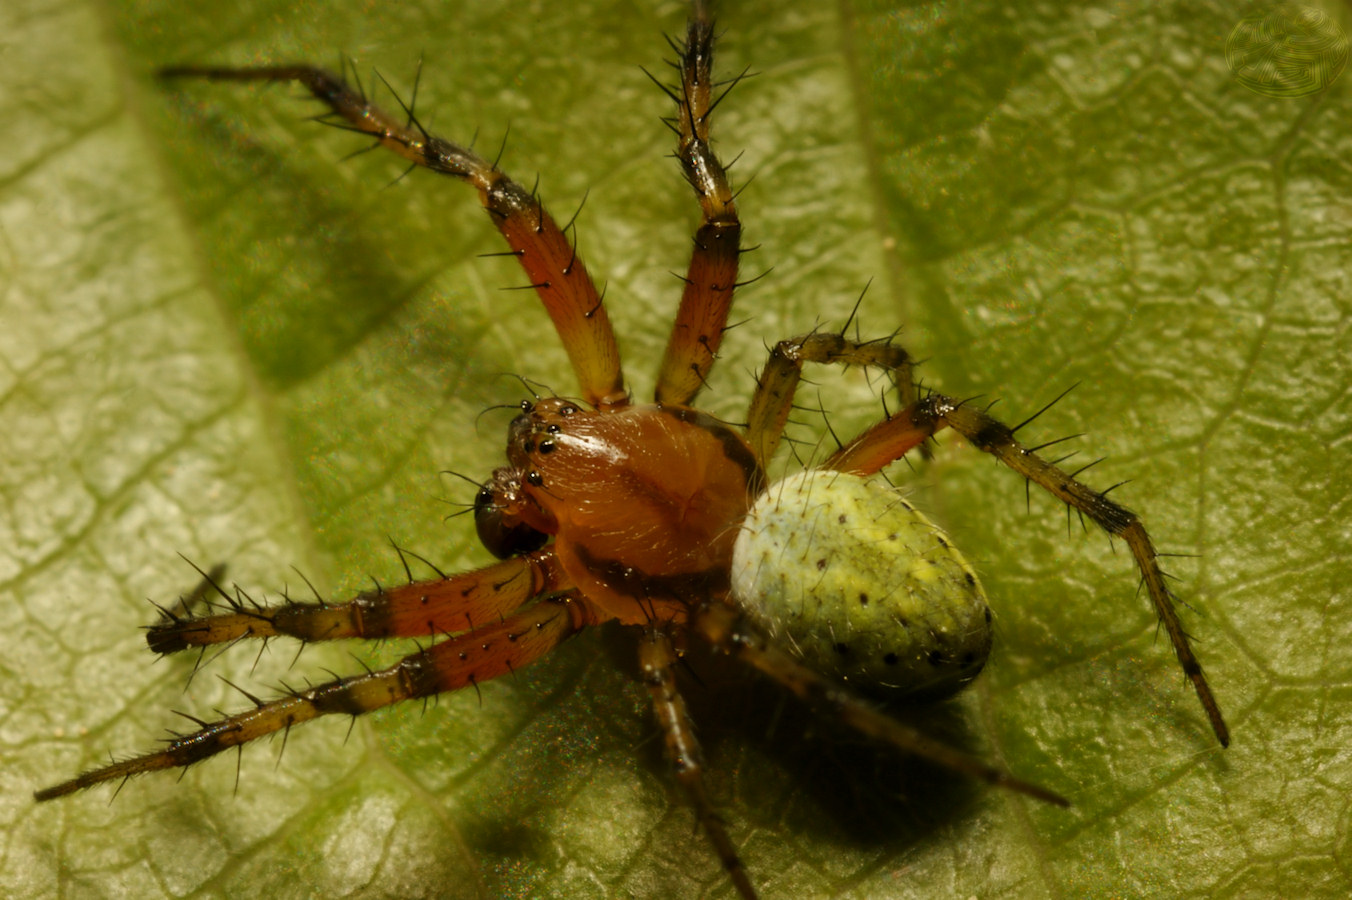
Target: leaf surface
x=222, y=339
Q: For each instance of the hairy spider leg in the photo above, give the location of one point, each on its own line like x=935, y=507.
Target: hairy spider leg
x=712, y=275
x=728, y=629
x=441, y=606
x=657, y=662
x=892, y=438
x=470, y=658
x=773, y=398
x=551, y=262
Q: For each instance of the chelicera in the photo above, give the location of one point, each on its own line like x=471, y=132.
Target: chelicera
x=661, y=517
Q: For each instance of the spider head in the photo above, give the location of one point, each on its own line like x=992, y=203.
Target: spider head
x=547, y=426
x=509, y=521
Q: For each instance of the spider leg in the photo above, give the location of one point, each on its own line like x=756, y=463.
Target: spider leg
x=891, y=438
x=436, y=607
x=551, y=262
x=731, y=631
x=712, y=275
x=773, y=398
x=657, y=661
x=470, y=658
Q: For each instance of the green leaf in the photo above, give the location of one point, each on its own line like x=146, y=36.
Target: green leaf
x=220, y=339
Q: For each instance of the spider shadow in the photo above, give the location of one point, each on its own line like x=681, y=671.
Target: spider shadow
x=774, y=764
x=786, y=766
x=311, y=251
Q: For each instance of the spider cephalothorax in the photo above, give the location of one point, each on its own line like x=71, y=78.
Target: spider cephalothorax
x=642, y=502
x=661, y=516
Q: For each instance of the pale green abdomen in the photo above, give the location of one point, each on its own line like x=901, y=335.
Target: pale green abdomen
x=861, y=586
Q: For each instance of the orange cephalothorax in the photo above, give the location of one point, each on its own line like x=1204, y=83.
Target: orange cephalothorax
x=643, y=501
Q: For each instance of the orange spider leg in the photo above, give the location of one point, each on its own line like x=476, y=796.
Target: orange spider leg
x=729, y=630
x=773, y=399
x=883, y=443
x=478, y=656
x=712, y=276
x=890, y=439
x=436, y=607
x=551, y=262
x=657, y=660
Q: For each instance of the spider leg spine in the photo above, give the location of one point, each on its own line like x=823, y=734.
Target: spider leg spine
x=779, y=380
x=472, y=657
x=730, y=630
x=657, y=662
x=895, y=436
x=561, y=280
x=439, y=606
x=711, y=278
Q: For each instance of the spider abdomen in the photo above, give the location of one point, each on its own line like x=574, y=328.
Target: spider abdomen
x=861, y=586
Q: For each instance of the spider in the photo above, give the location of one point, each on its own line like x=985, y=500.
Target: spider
x=661, y=517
